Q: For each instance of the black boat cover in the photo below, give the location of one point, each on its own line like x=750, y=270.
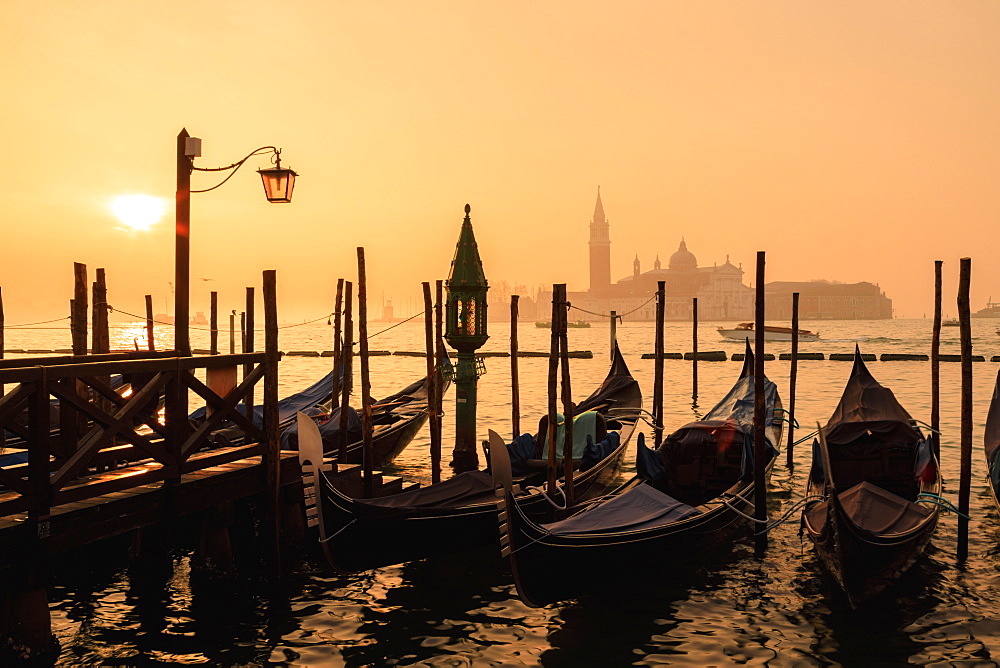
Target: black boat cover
x=520, y=450
x=328, y=430
x=288, y=407
x=463, y=489
x=619, y=383
x=640, y=508
x=866, y=406
x=594, y=453
x=873, y=510
x=991, y=439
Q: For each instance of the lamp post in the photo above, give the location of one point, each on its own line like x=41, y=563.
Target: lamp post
x=466, y=331
x=278, y=185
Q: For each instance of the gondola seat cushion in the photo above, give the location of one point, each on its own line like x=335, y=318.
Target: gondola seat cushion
x=588, y=423
x=520, y=451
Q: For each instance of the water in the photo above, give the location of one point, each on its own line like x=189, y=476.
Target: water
x=463, y=610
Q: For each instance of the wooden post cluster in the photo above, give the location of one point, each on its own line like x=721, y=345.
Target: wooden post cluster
x=936, y=364
x=759, y=417
x=661, y=287
x=790, y=461
x=965, y=336
x=366, y=385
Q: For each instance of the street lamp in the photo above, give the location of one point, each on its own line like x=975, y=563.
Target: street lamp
x=278, y=184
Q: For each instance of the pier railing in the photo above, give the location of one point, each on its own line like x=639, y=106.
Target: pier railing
x=85, y=436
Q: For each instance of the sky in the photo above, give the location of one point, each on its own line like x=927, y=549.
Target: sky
x=851, y=141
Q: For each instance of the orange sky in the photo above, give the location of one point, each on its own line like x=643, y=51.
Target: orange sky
x=850, y=140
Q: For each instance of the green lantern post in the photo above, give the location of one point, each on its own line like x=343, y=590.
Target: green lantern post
x=466, y=331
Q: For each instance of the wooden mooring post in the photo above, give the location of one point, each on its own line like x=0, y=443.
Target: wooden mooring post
x=661, y=287
x=100, y=336
x=78, y=317
x=515, y=390
x=965, y=336
x=936, y=364
x=348, y=383
x=790, y=461
x=432, y=386
x=338, y=352
x=438, y=377
x=248, y=347
x=366, y=385
x=150, y=341
x=614, y=333
x=550, y=439
x=694, y=344
x=213, y=323
x=567, y=394
x=272, y=446
x=759, y=418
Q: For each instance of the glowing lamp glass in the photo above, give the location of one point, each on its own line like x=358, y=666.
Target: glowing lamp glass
x=278, y=184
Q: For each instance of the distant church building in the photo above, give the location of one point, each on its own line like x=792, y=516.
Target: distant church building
x=719, y=288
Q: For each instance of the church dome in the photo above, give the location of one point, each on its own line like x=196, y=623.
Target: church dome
x=683, y=259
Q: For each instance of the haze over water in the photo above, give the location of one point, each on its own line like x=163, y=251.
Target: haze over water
x=463, y=610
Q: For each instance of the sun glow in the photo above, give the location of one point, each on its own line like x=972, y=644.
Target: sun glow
x=138, y=212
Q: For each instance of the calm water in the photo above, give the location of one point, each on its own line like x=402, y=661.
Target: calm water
x=463, y=610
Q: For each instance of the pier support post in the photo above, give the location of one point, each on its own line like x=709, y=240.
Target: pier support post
x=213, y=342
x=214, y=558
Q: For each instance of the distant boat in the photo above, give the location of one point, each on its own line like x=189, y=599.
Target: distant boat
x=771, y=333
x=950, y=322
x=547, y=324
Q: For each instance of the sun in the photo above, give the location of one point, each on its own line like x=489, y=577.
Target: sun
x=139, y=212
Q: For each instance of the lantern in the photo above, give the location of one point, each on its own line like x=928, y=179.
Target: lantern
x=466, y=324
x=278, y=183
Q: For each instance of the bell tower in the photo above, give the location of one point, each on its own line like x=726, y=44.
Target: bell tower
x=600, y=249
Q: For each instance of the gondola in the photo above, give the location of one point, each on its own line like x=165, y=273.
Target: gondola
x=460, y=512
x=396, y=420
x=991, y=443
x=689, y=496
x=871, y=466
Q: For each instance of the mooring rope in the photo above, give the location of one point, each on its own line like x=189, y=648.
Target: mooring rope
x=619, y=316
x=941, y=502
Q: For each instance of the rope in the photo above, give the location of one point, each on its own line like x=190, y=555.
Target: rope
x=941, y=502
x=608, y=315
x=541, y=490
x=805, y=438
x=372, y=336
x=43, y=322
x=209, y=329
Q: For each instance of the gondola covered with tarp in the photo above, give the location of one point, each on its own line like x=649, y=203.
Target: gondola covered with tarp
x=460, y=513
x=690, y=496
x=872, y=468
